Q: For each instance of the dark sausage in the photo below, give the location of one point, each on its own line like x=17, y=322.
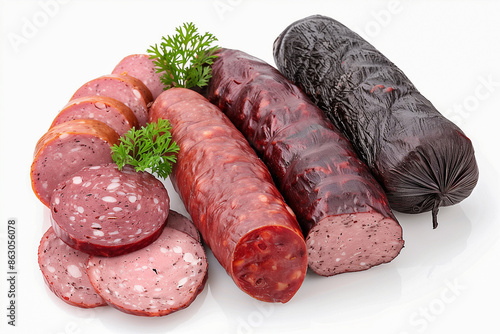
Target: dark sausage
x=232, y=200
x=422, y=159
x=343, y=211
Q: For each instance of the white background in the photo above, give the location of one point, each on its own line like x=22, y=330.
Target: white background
x=445, y=280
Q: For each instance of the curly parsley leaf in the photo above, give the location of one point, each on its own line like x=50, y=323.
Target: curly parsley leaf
x=150, y=147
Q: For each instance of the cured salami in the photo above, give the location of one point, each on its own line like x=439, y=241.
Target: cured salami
x=103, y=211
x=232, y=199
x=164, y=277
x=422, y=159
x=126, y=89
x=343, y=211
x=65, y=149
x=105, y=109
x=64, y=270
x=140, y=66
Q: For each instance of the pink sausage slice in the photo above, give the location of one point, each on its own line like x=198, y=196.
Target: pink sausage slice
x=102, y=108
x=179, y=222
x=65, y=149
x=103, y=211
x=140, y=66
x=131, y=91
x=65, y=272
x=157, y=280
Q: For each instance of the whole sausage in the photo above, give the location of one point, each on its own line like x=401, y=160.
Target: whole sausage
x=422, y=159
x=232, y=200
x=343, y=211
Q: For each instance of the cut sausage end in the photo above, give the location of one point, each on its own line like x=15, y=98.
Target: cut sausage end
x=271, y=263
x=352, y=242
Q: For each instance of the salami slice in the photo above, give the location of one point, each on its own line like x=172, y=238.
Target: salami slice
x=179, y=222
x=140, y=66
x=103, y=211
x=126, y=89
x=343, y=211
x=65, y=149
x=232, y=199
x=102, y=108
x=65, y=272
x=161, y=278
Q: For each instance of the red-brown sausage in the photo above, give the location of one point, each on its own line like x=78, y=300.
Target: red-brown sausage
x=343, y=211
x=232, y=200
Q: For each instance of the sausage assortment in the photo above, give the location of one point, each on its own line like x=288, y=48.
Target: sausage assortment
x=273, y=184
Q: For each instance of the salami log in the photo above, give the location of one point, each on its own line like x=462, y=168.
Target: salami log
x=343, y=211
x=103, y=211
x=101, y=108
x=65, y=149
x=126, y=89
x=140, y=66
x=161, y=278
x=64, y=270
x=232, y=199
x=422, y=159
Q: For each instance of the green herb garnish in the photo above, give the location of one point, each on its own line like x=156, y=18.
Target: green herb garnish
x=150, y=147
x=185, y=59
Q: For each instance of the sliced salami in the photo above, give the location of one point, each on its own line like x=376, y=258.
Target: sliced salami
x=65, y=272
x=140, y=66
x=102, y=108
x=161, y=278
x=179, y=222
x=232, y=199
x=103, y=211
x=126, y=89
x=65, y=149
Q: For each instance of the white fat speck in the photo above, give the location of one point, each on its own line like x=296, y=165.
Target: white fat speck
x=112, y=186
x=139, y=231
x=170, y=302
x=343, y=254
x=74, y=271
x=86, y=184
x=189, y=258
x=177, y=249
x=98, y=233
x=96, y=225
x=102, y=217
x=109, y=199
x=75, y=149
x=137, y=94
x=95, y=167
x=163, y=250
x=77, y=179
x=144, y=267
x=182, y=282
x=130, y=185
x=80, y=209
x=45, y=185
x=117, y=209
x=72, y=218
x=64, y=135
x=132, y=199
x=157, y=289
x=139, y=206
x=51, y=269
x=117, y=240
x=113, y=233
x=337, y=259
x=363, y=263
x=57, y=200
x=155, y=200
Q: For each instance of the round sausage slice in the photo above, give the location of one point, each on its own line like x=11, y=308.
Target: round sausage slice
x=140, y=66
x=129, y=90
x=65, y=149
x=179, y=222
x=159, y=279
x=103, y=211
x=102, y=108
x=65, y=272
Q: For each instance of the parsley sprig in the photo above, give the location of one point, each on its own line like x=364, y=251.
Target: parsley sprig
x=150, y=147
x=185, y=58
